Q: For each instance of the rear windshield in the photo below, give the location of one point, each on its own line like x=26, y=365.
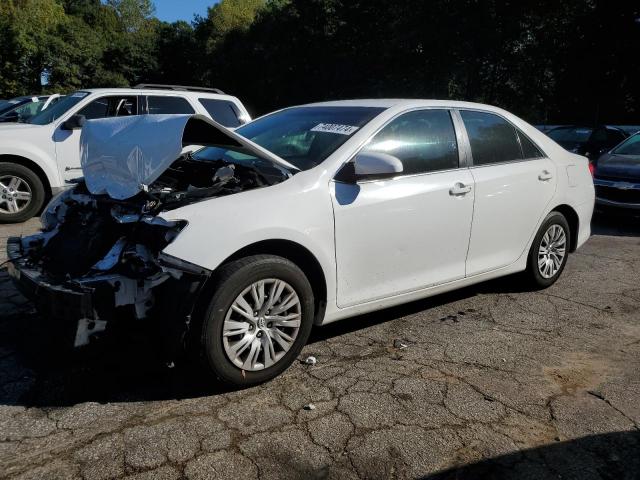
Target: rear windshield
x=573, y=134
x=306, y=136
x=630, y=147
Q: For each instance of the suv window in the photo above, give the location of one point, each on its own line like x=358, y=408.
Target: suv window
x=110, y=107
x=168, y=105
x=222, y=111
x=423, y=140
x=492, y=138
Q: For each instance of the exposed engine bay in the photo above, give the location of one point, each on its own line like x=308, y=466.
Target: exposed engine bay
x=106, y=253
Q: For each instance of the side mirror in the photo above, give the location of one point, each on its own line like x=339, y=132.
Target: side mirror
x=370, y=166
x=74, y=123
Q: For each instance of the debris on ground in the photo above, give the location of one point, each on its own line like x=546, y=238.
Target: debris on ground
x=310, y=360
x=399, y=344
x=309, y=406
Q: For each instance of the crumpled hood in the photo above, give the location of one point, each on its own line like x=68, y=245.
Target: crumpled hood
x=121, y=156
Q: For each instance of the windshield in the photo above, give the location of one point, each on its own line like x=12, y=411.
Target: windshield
x=305, y=136
x=630, y=147
x=53, y=112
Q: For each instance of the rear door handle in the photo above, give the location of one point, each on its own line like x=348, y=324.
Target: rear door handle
x=459, y=189
x=545, y=175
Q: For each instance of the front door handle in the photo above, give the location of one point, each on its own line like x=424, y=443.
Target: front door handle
x=459, y=189
x=545, y=175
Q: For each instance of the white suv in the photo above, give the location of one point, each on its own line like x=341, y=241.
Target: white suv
x=39, y=158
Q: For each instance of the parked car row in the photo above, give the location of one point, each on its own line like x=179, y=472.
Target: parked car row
x=39, y=156
x=614, y=154
x=305, y=216
x=21, y=109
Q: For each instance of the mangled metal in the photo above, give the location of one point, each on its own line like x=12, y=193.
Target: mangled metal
x=100, y=255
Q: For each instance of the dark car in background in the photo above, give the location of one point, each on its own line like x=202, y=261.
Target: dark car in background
x=588, y=141
x=21, y=109
x=617, y=176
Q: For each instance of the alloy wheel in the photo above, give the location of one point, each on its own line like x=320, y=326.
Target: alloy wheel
x=262, y=324
x=552, y=250
x=15, y=194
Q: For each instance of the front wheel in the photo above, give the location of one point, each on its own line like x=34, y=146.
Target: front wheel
x=21, y=193
x=258, y=320
x=549, y=251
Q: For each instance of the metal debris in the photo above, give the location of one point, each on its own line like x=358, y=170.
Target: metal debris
x=399, y=344
x=309, y=406
x=310, y=360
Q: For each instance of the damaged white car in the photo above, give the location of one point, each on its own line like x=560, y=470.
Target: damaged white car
x=305, y=216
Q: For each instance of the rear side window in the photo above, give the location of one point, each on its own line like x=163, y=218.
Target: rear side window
x=423, y=140
x=529, y=149
x=222, y=111
x=492, y=138
x=169, y=105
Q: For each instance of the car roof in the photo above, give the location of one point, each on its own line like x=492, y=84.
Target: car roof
x=138, y=91
x=403, y=102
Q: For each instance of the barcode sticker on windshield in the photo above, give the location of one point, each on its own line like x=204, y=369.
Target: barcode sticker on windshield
x=334, y=128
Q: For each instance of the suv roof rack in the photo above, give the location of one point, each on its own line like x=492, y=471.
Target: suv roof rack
x=182, y=88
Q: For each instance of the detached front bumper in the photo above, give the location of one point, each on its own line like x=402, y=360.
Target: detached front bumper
x=88, y=304
x=60, y=301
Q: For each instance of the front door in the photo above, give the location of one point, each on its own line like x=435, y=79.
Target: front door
x=410, y=232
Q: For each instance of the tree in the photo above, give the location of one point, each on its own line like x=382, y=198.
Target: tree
x=27, y=34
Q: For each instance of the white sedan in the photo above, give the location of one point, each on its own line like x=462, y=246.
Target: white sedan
x=305, y=216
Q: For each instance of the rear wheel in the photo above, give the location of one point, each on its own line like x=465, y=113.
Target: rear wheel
x=21, y=193
x=258, y=320
x=549, y=251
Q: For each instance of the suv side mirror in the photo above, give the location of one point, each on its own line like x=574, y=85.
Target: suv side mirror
x=370, y=166
x=75, y=122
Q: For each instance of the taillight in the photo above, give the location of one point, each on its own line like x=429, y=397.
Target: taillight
x=592, y=168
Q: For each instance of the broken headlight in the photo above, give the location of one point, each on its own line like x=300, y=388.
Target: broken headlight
x=53, y=213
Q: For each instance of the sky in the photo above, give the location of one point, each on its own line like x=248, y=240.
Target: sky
x=172, y=10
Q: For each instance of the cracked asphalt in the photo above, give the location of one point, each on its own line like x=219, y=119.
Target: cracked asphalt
x=494, y=382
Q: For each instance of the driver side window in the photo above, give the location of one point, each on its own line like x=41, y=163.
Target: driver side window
x=423, y=140
x=110, y=107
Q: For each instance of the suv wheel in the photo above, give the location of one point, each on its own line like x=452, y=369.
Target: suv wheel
x=21, y=193
x=258, y=320
x=549, y=251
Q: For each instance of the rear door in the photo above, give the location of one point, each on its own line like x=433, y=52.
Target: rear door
x=406, y=233
x=514, y=183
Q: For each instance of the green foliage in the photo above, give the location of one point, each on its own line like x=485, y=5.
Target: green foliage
x=568, y=61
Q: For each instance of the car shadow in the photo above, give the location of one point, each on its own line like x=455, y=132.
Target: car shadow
x=616, y=223
x=131, y=366
x=614, y=455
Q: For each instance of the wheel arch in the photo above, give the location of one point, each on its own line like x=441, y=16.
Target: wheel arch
x=297, y=254
x=31, y=165
x=574, y=223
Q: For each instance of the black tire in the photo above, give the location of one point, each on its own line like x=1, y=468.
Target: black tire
x=35, y=186
x=230, y=281
x=533, y=274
